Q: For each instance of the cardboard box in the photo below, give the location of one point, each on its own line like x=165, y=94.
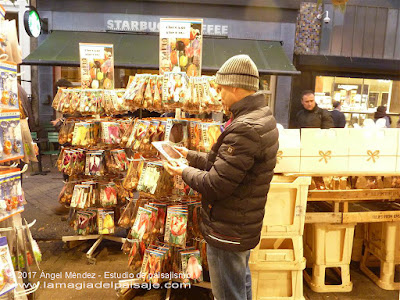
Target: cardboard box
x=324, y=150
x=288, y=156
x=373, y=150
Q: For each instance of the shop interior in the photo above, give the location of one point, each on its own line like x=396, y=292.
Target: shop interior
x=359, y=97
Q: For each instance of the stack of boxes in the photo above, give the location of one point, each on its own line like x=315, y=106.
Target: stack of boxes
x=277, y=263
x=328, y=246
x=382, y=249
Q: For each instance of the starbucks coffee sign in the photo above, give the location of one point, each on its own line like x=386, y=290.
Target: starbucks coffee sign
x=141, y=23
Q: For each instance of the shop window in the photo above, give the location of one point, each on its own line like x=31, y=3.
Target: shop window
x=355, y=94
x=359, y=97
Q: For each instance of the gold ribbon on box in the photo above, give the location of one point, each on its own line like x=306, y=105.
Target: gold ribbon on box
x=373, y=155
x=279, y=156
x=325, y=155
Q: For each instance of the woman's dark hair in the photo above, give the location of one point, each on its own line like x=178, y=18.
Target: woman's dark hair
x=336, y=104
x=381, y=113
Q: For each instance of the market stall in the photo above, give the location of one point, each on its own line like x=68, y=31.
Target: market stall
x=355, y=173
x=18, y=250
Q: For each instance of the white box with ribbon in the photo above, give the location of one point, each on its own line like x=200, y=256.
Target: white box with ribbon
x=288, y=156
x=373, y=150
x=324, y=151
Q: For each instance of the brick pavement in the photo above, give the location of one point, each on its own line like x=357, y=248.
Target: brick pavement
x=41, y=194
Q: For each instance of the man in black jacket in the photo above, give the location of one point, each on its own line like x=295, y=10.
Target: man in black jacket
x=234, y=179
x=311, y=116
x=339, y=119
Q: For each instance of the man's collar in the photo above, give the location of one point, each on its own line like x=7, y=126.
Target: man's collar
x=249, y=103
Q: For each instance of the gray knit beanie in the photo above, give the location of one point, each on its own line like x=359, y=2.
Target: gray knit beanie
x=239, y=71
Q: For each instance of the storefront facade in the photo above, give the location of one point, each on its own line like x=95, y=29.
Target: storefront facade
x=355, y=59
x=15, y=11
x=263, y=21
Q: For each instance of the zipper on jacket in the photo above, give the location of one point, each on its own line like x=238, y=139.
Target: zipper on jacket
x=222, y=240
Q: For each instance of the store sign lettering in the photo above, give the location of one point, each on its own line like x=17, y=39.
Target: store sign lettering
x=152, y=26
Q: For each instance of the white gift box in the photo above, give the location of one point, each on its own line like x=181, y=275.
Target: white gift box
x=324, y=151
x=373, y=150
x=288, y=156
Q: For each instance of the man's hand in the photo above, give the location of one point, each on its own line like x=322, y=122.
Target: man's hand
x=54, y=122
x=182, y=150
x=174, y=168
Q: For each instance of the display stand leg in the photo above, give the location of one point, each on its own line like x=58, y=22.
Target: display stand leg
x=97, y=237
x=93, y=248
x=168, y=296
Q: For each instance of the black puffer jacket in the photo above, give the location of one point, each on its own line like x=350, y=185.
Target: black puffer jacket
x=315, y=118
x=234, y=177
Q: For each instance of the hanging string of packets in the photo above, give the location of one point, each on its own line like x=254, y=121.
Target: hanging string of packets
x=138, y=134
x=164, y=241
x=152, y=92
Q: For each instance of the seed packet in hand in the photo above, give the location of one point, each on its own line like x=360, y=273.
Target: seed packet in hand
x=168, y=152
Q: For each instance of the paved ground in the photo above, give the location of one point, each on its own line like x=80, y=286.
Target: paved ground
x=41, y=193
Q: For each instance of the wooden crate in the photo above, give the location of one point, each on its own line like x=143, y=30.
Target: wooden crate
x=286, y=206
x=358, y=242
x=282, y=284
x=387, y=271
x=317, y=281
x=383, y=240
x=328, y=244
x=278, y=249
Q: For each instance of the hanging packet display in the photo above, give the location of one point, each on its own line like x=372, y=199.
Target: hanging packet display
x=116, y=161
x=108, y=194
x=105, y=221
x=8, y=85
x=91, y=102
x=210, y=133
x=176, y=132
x=8, y=281
x=66, y=132
x=10, y=137
x=126, y=219
x=110, y=133
x=131, y=180
x=176, y=226
x=175, y=89
x=154, y=180
x=94, y=163
x=152, y=266
x=191, y=266
x=83, y=135
x=141, y=227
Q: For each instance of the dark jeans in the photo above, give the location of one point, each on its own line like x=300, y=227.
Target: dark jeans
x=229, y=273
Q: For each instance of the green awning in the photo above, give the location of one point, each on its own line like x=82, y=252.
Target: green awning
x=61, y=48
